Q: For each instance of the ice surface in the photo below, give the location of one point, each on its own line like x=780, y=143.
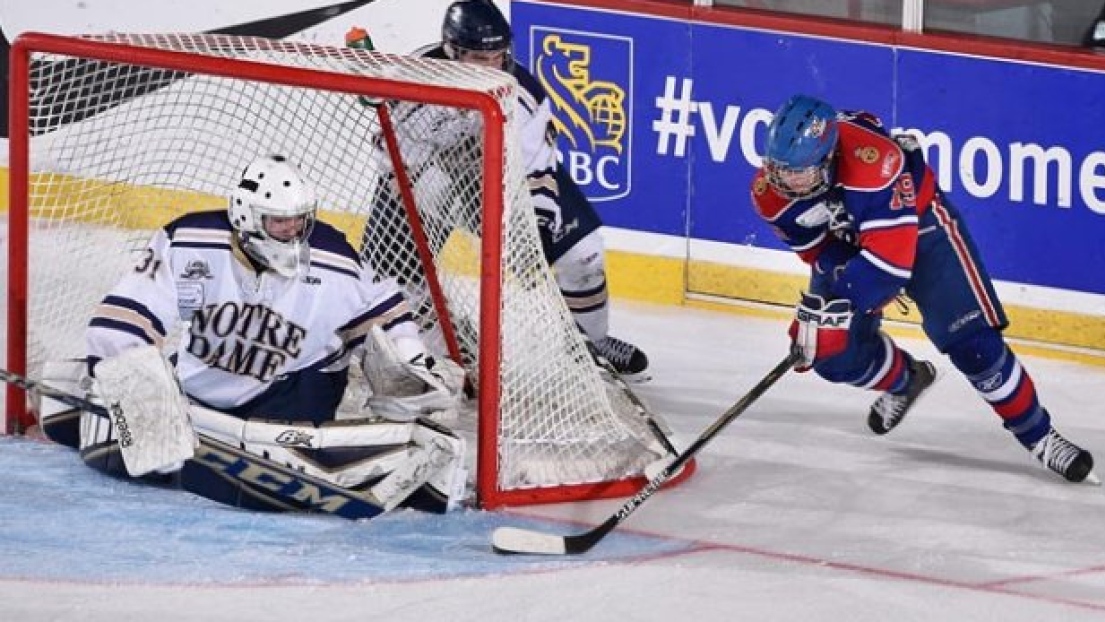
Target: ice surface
x=797, y=512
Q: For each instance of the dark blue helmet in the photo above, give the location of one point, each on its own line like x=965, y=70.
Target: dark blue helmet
x=800, y=144
x=476, y=26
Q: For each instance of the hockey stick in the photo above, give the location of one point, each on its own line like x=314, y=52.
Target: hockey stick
x=304, y=490
x=616, y=379
x=515, y=540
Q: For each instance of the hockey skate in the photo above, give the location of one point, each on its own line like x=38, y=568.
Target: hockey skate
x=889, y=410
x=1065, y=458
x=626, y=359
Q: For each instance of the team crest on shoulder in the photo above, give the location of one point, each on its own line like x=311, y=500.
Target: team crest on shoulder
x=768, y=203
x=196, y=270
x=867, y=154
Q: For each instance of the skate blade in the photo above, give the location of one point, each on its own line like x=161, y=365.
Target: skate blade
x=638, y=378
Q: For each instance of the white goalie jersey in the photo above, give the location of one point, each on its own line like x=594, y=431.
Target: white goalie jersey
x=243, y=329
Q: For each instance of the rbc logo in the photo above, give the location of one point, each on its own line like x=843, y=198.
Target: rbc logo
x=588, y=77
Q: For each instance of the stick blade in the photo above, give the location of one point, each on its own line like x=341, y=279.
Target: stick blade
x=508, y=540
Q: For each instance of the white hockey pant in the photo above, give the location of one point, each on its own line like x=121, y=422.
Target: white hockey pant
x=581, y=276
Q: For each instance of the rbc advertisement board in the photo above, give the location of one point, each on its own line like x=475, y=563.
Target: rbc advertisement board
x=594, y=80
x=662, y=122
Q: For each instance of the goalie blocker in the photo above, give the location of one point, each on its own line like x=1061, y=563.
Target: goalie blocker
x=415, y=463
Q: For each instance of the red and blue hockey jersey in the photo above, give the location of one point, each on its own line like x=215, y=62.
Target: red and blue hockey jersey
x=862, y=232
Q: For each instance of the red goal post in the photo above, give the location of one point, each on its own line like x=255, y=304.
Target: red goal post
x=114, y=135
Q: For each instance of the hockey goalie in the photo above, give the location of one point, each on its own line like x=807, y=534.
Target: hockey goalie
x=273, y=308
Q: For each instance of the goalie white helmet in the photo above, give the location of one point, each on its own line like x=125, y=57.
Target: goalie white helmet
x=273, y=211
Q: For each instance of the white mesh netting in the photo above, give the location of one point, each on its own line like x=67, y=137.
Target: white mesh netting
x=119, y=148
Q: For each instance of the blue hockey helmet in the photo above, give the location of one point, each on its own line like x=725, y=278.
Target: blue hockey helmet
x=476, y=27
x=800, y=144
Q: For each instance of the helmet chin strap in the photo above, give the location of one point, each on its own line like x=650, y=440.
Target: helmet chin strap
x=253, y=246
x=250, y=252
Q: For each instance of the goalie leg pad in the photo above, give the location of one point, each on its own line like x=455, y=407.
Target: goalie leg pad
x=422, y=463
x=401, y=458
x=147, y=409
x=446, y=484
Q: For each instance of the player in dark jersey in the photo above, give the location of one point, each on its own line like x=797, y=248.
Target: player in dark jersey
x=863, y=209
x=476, y=32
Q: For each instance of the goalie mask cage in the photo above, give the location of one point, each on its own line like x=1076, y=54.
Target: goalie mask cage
x=114, y=135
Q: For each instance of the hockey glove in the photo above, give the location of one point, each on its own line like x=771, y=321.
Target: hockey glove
x=407, y=381
x=819, y=330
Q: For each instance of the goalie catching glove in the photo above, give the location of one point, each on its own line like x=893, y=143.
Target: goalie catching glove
x=819, y=330
x=407, y=381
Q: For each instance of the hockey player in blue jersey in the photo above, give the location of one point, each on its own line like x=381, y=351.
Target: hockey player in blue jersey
x=273, y=306
x=863, y=209
x=476, y=32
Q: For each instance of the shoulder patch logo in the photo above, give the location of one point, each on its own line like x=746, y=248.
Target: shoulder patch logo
x=196, y=270
x=759, y=186
x=867, y=155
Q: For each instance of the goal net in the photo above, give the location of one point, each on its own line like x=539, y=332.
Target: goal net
x=414, y=159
